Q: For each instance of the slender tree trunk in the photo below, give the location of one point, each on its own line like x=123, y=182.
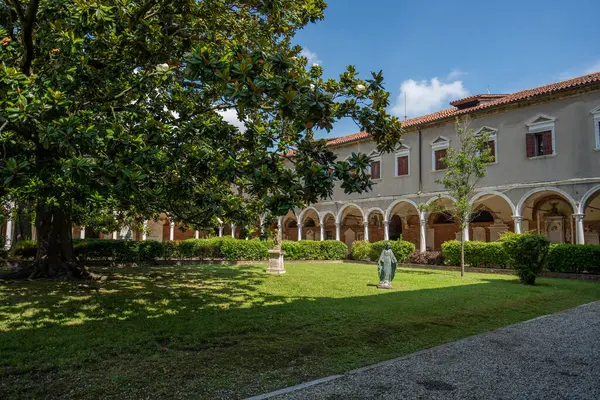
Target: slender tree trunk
x=462, y=255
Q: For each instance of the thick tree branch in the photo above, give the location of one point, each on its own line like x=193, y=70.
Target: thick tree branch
x=27, y=22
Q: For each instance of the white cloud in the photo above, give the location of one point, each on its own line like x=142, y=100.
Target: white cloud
x=455, y=73
x=231, y=116
x=424, y=97
x=593, y=68
x=312, y=58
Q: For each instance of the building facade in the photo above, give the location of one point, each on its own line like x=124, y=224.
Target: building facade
x=545, y=176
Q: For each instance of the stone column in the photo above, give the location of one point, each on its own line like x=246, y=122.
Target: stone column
x=338, y=231
x=466, y=233
x=82, y=233
x=9, y=233
x=366, y=225
x=518, y=220
x=322, y=227
x=423, y=232
x=386, y=230
x=232, y=230
x=33, y=232
x=172, y=231
x=145, y=231
x=220, y=230
x=579, y=228
x=299, y=231
x=196, y=234
x=115, y=235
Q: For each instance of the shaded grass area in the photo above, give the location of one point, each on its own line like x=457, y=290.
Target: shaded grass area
x=232, y=331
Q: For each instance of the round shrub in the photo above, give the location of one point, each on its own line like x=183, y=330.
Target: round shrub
x=361, y=250
x=334, y=250
x=527, y=254
x=402, y=249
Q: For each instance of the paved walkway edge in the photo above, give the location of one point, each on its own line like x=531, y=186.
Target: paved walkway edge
x=382, y=363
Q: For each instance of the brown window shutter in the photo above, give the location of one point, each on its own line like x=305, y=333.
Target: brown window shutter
x=439, y=155
x=375, y=170
x=402, y=165
x=547, y=140
x=492, y=144
x=530, y=145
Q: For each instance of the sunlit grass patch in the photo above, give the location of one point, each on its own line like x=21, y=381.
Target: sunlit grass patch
x=233, y=331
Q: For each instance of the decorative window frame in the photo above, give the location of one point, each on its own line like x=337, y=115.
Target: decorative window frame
x=493, y=136
x=402, y=151
x=596, y=116
x=547, y=123
x=440, y=143
x=376, y=156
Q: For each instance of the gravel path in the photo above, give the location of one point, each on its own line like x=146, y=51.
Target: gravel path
x=552, y=357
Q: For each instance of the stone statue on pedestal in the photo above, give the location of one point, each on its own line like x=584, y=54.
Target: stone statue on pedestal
x=276, y=265
x=387, y=267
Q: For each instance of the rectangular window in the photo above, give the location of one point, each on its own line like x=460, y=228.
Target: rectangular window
x=492, y=146
x=439, y=156
x=401, y=165
x=376, y=169
x=539, y=144
x=329, y=235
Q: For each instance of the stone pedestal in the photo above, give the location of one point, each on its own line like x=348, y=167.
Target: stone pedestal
x=276, y=266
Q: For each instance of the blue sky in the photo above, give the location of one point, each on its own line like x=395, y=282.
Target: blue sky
x=438, y=51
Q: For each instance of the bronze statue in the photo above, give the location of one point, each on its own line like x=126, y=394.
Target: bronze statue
x=387, y=264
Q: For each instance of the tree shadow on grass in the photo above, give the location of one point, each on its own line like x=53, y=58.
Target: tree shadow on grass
x=214, y=332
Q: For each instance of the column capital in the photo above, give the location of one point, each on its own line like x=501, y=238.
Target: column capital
x=517, y=217
x=578, y=215
x=338, y=224
x=366, y=223
x=172, y=223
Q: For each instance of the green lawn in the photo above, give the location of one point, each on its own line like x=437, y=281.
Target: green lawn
x=229, y=332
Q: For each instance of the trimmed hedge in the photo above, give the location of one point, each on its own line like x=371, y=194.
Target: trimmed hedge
x=574, y=258
x=402, y=249
x=213, y=248
x=361, y=250
x=477, y=254
x=314, y=250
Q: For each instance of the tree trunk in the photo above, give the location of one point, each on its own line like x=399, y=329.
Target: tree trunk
x=54, y=258
x=462, y=255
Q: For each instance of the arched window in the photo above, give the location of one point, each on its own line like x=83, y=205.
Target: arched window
x=292, y=224
x=310, y=223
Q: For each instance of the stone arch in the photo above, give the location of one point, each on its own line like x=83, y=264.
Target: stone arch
x=375, y=217
x=586, y=198
x=526, y=196
x=323, y=216
x=388, y=211
x=346, y=206
x=481, y=194
x=589, y=209
x=442, y=196
x=306, y=210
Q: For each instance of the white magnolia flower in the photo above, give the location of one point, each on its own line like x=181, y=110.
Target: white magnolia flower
x=312, y=86
x=360, y=88
x=162, y=67
x=315, y=65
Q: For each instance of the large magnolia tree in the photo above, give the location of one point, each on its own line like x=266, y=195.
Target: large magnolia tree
x=116, y=105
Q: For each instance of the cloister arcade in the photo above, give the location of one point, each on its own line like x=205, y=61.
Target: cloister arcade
x=549, y=210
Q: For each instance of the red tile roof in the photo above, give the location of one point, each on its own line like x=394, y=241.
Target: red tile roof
x=470, y=99
x=500, y=101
